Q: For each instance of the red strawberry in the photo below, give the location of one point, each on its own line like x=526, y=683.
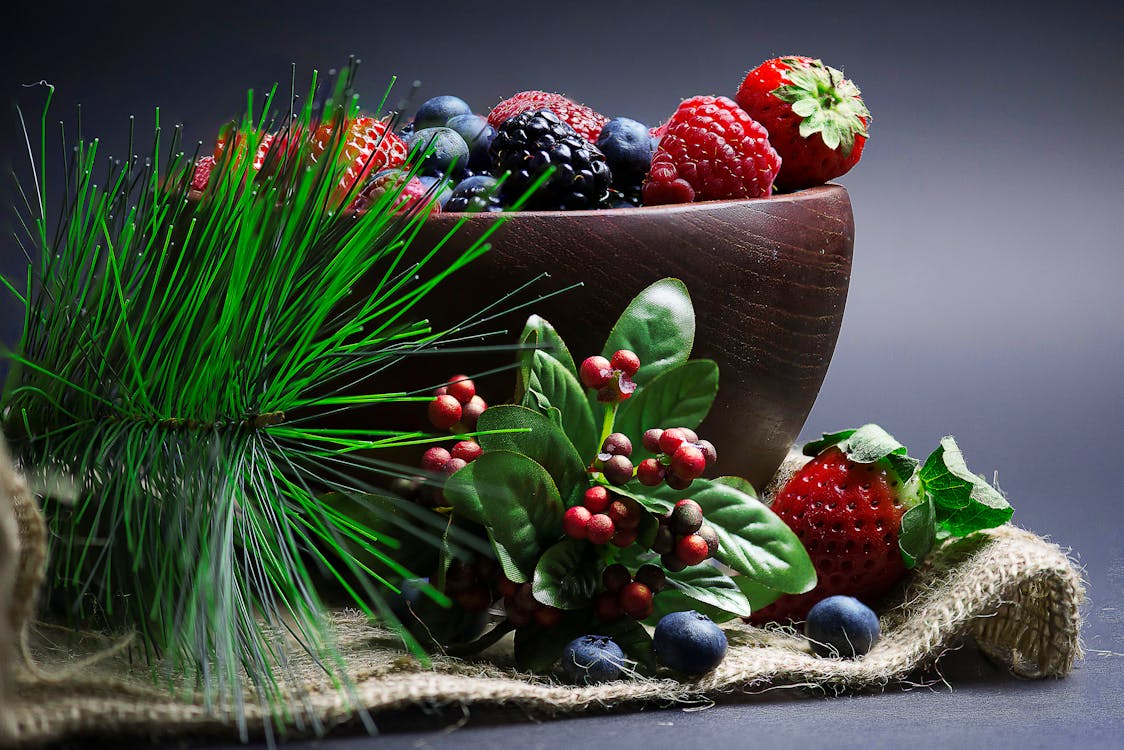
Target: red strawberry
x=578, y=116
x=369, y=146
x=711, y=150
x=411, y=194
x=240, y=140
x=816, y=118
x=202, y=174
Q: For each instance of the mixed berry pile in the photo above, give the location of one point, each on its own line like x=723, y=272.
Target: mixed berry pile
x=793, y=123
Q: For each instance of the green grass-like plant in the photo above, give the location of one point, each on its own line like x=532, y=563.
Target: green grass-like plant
x=179, y=354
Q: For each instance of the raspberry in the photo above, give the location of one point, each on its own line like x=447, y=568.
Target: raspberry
x=467, y=450
x=461, y=388
x=581, y=118
x=688, y=461
x=615, y=577
x=600, y=529
x=650, y=472
x=625, y=361
x=444, y=412
x=595, y=372
x=575, y=522
x=636, y=600
x=692, y=549
x=596, y=499
x=711, y=150
x=435, y=459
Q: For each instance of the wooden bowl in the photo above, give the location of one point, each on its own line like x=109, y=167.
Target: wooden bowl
x=768, y=279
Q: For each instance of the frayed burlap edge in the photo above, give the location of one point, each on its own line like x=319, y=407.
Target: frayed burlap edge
x=1016, y=594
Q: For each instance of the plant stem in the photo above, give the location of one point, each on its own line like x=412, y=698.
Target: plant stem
x=607, y=425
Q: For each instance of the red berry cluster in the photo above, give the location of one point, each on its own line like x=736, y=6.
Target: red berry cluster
x=626, y=594
x=603, y=518
x=442, y=461
x=611, y=378
x=470, y=584
x=682, y=457
x=456, y=403
x=522, y=608
x=682, y=538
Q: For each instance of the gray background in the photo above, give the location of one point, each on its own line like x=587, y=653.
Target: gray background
x=985, y=300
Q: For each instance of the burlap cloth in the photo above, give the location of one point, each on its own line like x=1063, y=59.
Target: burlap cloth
x=1017, y=595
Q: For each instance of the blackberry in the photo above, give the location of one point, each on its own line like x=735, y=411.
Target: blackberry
x=527, y=144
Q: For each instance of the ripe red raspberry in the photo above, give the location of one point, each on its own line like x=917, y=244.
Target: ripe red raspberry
x=692, y=549
x=575, y=522
x=467, y=450
x=625, y=361
x=461, y=388
x=600, y=529
x=444, y=412
x=636, y=600
x=650, y=472
x=435, y=458
x=595, y=372
x=712, y=150
x=596, y=499
x=580, y=117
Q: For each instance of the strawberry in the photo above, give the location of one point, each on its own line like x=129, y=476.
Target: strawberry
x=241, y=139
x=202, y=173
x=866, y=514
x=581, y=118
x=369, y=146
x=710, y=150
x=816, y=118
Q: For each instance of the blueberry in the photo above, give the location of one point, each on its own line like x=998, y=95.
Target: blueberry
x=628, y=148
x=435, y=112
x=442, y=192
x=841, y=626
x=592, y=658
x=447, y=150
x=478, y=134
x=479, y=193
x=689, y=642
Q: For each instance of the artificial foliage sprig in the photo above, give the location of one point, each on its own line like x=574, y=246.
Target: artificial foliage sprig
x=180, y=354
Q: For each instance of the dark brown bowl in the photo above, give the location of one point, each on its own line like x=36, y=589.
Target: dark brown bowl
x=768, y=279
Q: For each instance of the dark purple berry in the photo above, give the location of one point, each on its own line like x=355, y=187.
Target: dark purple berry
x=618, y=470
x=617, y=444
x=651, y=439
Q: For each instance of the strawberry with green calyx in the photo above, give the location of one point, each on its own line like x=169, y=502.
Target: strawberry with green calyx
x=866, y=512
x=816, y=118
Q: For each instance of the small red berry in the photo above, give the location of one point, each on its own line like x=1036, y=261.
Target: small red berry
x=548, y=616
x=600, y=529
x=688, y=461
x=444, y=412
x=652, y=576
x=596, y=499
x=690, y=435
x=453, y=465
x=615, y=577
x=617, y=444
x=595, y=372
x=625, y=361
x=441, y=391
x=608, y=606
x=664, y=541
x=671, y=439
x=625, y=537
x=676, y=482
x=467, y=450
x=708, y=450
x=710, y=536
x=476, y=598
x=472, y=411
x=435, y=459
x=461, y=388
x=650, y=472
x=574, y=522
x=692, y=549
x=625, y=513
x=686, y=517
x=636, y=600
x=507, y=587
x=651, y=439
x=524, y=599
x=618, y=470
x=671, y=562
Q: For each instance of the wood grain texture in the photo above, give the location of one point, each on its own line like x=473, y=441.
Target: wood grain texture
x=768, y=279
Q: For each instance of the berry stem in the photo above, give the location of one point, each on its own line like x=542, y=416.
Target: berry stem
x=607, y=425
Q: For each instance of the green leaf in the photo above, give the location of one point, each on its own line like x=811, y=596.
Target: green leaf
x=538, y=331
x=659, y=326
x=680, y=396
x=544, y=442
x=704, y=588
x=522, y=512
x=964, y=502
x=866, y=445
x=567, y=576
x=757, y=595
x=918, y=532
x=551, y=384
x=752, y=539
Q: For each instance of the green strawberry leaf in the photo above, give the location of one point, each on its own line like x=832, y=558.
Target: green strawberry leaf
x=680, y=396
x=523, y=512
x=542, y=440
x=918, y=532
x=866, y=445
x=550, y=384
x=753, y=540
x=963, y=502
x=659, y=326
x=566, y=576
x=757, y=595
x=704, y=588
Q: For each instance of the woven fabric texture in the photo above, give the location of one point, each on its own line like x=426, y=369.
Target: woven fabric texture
x=1017, y=595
